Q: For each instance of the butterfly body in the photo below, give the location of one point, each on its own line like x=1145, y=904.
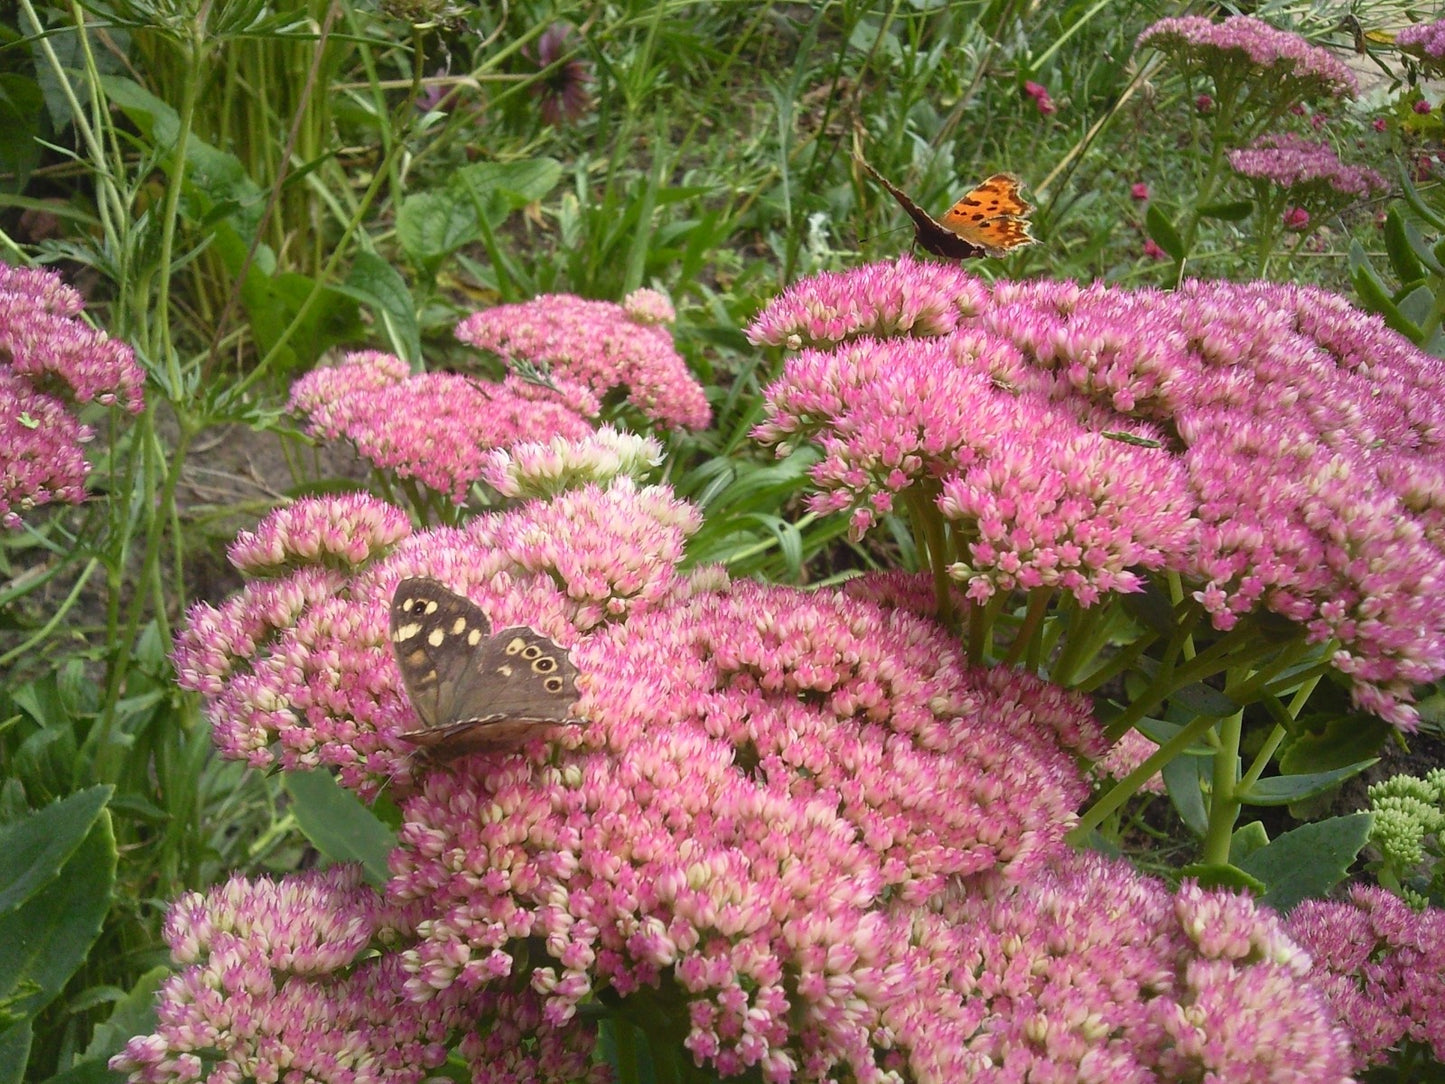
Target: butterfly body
x=989, y=220
x=474, y=690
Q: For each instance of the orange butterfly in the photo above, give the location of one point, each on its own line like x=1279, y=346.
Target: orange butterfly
x=991, y=220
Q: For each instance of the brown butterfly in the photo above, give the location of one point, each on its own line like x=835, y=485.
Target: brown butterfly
x=474, y=690
x=991, y=220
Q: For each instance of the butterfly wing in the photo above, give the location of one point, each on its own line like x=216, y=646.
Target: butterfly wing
x=435, y=634
x=931, y=235
x=474, y=690
x=993, y=216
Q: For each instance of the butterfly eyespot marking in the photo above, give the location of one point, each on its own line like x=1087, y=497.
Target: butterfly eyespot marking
x=464, y=681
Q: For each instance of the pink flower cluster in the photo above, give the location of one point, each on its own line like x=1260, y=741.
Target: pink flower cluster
x=794, y=826
x=1425, y=41
x=1381, y=966
x=1040, y=94
x=278, y=982
x=268, y=970
x=543, y=470
x=824, y=309
x=1268, y=442
x=1304, y=166
x=51, y=360
x=599, y=346
x=434, y=427
x=1127, y=754
x=1241, y=50
x=647, y=306
x=297, y=667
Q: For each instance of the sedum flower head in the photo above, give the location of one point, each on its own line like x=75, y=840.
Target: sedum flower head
x=1091, y=972
x=1242, y=50
x=910, y=297
x=1382, y=968
x=648, y=306
x=297, y=668
x=539, y=469
x=1127, y=754
x=1274, y=446
x=434, y=427
x=276, y=983
x=1307, y=171
x=1409, y=812
x=1425, y=42
x=344, y=532
x=51, y=361
x=600, y=346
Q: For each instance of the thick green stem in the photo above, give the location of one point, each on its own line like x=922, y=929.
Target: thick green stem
x=1223, y=804
x=1241, y=647
x=929, y=529
x=1223, y=121
x=1125, y=789
x=1277, y=735
x=1027, y=637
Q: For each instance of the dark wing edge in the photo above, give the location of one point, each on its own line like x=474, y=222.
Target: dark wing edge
x=930, y=234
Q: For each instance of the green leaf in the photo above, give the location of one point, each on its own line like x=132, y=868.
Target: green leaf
x=22, y=104
x=1416, y=303
x=1344, y=740
x=34, y=850
x=375, y=282
x=14, y=1051
x=1247, y=839
x=1151, y=608
x=215, y=179
x=1284, y=789
x=432, y=225
x=134, y=1014
x=1228, y=211
x=338, y=825
x=1309, y=861
x=1432, y=709
x=1158, y=226
x=1200, y=699
x=1376, y=295
x=1182, y=777
x=1418, y=205
x=500, y=188
x=1222, y=875
x=1403, y=259
x=46, y=939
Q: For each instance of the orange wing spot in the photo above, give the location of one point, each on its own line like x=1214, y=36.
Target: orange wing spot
x=993, y=216
x=989, y=220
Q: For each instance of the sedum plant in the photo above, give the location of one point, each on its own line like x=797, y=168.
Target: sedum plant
x=1257, y=462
